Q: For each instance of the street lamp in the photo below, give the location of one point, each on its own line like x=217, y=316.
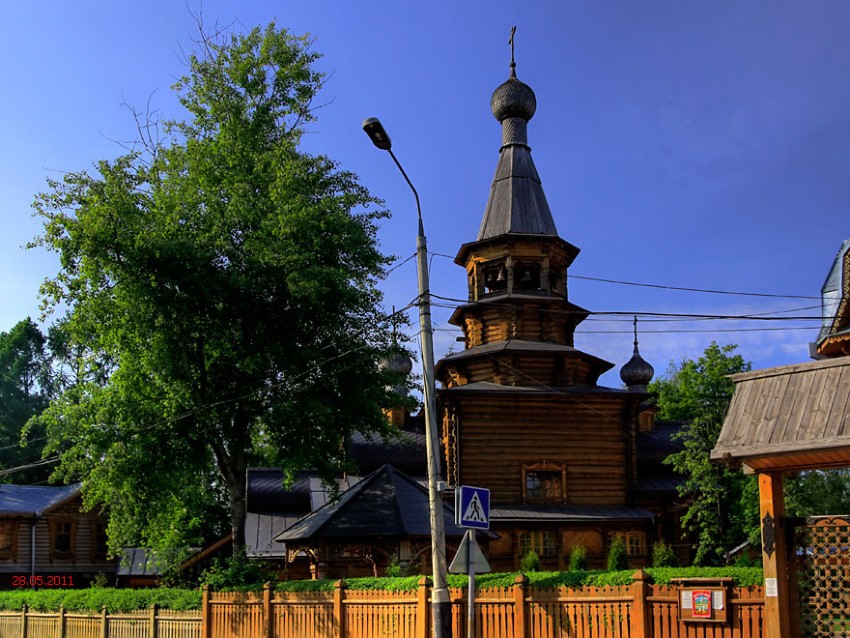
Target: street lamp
x=440, y=603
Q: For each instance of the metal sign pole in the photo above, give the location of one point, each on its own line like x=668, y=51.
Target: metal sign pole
x=470, y=565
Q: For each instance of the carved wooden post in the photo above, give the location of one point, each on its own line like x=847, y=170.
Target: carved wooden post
x=104, y=623
x=61, y=621
x=774, y=554
x=24, y=627
x=205, y=612
x=268, y=616
x=339, y=609
x=520, y=585
x=641, y=621
x=154, y=630
x=423, y=612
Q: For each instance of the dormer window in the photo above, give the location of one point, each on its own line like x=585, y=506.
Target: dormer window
x=544, y=483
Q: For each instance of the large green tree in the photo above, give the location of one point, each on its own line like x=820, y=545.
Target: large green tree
x=723, y=507
x=26, y=384
x=221, y=289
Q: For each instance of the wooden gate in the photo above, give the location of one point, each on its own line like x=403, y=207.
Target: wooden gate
x=823, y=575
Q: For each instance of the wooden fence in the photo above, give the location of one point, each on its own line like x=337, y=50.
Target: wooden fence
x=152, y=623
x=639, y=610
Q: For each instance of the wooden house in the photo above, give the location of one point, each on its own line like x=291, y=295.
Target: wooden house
x=46, y=539
x=522, y=411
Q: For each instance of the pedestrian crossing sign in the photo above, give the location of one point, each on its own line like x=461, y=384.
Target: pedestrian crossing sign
x=472, y=507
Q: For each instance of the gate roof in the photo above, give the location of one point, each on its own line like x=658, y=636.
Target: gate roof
x=789, y=418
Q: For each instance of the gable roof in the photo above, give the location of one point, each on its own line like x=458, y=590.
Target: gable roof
x=387, y=503
x=33, y=501
x=789, y=417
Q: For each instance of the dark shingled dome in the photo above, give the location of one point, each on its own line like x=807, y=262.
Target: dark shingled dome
x=513, y=99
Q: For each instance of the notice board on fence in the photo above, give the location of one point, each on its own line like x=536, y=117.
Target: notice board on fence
x=703, y=604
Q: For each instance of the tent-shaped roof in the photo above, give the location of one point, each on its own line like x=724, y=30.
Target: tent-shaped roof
x=789, y=418
x=31, y=501
x=834, y=337
x=387, y=503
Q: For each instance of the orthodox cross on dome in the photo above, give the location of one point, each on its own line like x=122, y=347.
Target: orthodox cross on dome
x=637, y=373
x=511, y=42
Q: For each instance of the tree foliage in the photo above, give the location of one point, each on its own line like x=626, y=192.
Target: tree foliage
x=27, y=382
x=221, y=289
x=723, y=507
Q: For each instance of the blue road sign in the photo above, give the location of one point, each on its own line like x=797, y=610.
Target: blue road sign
x=472, y=507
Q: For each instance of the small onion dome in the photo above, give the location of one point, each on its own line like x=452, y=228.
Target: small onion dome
x=637, y=373
x=398, y=364
x=513, y=99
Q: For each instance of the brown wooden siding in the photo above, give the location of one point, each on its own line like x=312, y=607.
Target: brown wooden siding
x=84, y=544
x=586, y=435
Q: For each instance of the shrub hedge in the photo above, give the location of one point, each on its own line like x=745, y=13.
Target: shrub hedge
x=123, y=600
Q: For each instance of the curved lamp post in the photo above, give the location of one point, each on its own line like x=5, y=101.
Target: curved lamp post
x=441, y=604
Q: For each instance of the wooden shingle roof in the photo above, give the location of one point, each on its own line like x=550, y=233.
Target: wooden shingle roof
x=789, y=418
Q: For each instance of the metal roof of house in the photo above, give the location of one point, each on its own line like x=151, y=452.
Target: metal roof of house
x=387, y=503
x=789, y=417
x=568, y=513
x=32, y=501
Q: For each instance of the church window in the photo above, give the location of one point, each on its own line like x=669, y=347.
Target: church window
x=527, y=276
x=542, y=543
x=495, y=277
x=635, y=542
x=544, y=483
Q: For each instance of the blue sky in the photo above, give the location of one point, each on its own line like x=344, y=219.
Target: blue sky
x=684, y=144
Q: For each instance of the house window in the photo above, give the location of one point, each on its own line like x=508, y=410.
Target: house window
x=544, y=483
x=8, y=532
x=635, y=542
x=62, y=541
x=543, y=543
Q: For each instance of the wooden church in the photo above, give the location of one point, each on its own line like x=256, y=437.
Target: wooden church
x=569, y=463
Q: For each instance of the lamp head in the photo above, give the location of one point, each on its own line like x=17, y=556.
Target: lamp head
x=375, y=130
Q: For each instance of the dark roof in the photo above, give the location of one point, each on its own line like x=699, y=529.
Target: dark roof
x=267, y=493
x=517, y=203
x=789, y=417
x=387, y=503
x=568, y=513
x=32, y=501
x=526, y=347
x=488, y=386
x=406, y=452
x=261, y=530
x=659, y=443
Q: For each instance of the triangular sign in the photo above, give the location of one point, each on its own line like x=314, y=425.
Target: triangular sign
x=460, y=564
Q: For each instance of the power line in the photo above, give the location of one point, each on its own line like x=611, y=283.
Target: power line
x=685, y=289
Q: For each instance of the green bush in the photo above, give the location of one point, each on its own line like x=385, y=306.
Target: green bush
x=578, y=559
x=124, y=600
x=95, y=599
x=663, y=555
x=236, y=572
x=530, y=562
x=618, y=559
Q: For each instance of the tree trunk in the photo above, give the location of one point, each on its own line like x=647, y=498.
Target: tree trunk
x=233, y=468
